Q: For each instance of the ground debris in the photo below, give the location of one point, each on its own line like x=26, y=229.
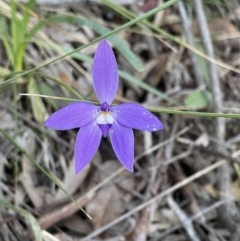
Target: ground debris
x=173, y=192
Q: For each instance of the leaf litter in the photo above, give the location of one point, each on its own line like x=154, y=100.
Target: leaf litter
x=105, y=194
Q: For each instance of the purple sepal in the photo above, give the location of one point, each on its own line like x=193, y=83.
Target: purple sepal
x=122, y=140
x=72, y=116
x=87, y=142
x=104, y=72
x=137, y=117
x=105, y=129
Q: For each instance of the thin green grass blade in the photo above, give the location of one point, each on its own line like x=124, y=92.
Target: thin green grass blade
x=116, y=30
x=156, y=109
x=96, y=27
x=28, y=216
x=41, y=169
x=53, y=97
x=193, y=113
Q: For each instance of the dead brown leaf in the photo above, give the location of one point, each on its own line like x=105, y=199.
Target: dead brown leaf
x=77, y=224
x=110, y=201
x=72, y=181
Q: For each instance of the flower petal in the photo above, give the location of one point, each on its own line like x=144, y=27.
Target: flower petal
x=105, y=129
x=105, y=75
x=123, y=144
x=137, y=117
x=87, y=142
x=74, y=115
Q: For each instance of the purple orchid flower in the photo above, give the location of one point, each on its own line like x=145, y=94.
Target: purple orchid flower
x=96, y=121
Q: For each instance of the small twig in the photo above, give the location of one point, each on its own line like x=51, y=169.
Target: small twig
x=183, y=218
x=186, y=190
x=173, y=159
x=193, y=218
x=152, y=161
x=141, y=230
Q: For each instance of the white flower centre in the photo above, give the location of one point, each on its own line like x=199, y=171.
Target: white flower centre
x=105, y=118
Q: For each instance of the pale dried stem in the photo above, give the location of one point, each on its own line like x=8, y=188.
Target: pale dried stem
x=152, y=162
x=184, y=219
x=215, y=82
x=174, y=206
x=190, y=40
x=186, y=190
x=141, y=230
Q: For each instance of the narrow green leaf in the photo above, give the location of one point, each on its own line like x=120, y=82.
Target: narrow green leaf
x=17, y=30
x=26, y=14
x=159, y=110
x=19, y=56
x=54, y=97
x=14, y=24
x=193, y=113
